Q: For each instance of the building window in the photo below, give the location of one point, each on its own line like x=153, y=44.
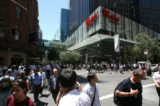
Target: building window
x=18, y=32
x=18, y=11
x=1, y=28
x=2, y=8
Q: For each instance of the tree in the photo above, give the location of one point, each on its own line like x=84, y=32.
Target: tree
x=144, y=42
x=71, y=56
x=53, y=54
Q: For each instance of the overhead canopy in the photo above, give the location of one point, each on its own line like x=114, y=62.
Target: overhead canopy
x=100, y=37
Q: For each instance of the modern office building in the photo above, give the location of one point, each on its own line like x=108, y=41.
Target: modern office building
x=79, y=11
x=64, y=28
x=144, y=12
x=94, y=36
x=40, y=34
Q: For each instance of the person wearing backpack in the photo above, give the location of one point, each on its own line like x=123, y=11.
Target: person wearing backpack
x=5, y=86
x=129, y=91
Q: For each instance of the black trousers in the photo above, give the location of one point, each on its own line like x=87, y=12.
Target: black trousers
x=158, y=92
x=41, y=90
x=36, y=92
x=54, y=94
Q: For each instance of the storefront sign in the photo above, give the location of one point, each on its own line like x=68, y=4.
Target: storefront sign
x=89, y=21
x=112, y=18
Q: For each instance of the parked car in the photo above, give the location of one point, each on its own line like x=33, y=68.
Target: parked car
x=154, y=67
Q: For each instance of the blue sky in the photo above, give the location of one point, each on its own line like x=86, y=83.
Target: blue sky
x=49, y=16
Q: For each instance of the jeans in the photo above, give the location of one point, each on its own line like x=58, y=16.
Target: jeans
x=4, y=96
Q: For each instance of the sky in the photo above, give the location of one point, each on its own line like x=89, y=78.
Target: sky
x=49, y=16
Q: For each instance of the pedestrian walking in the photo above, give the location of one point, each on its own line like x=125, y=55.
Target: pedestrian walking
x=92, y=90
x=67, y=81
x=48, y=72
x=115, y=68
x=14, y=72
x=53, y=85
x=44, y=77
x=129, y=91
x=25, y=78
x=78, y=87
x=37, y=82
x=156, y=79
x=5, y=88
x=19, y=94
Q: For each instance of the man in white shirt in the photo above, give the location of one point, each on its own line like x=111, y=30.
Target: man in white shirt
x=67, y=82
x=156, y=79
x=92, y=90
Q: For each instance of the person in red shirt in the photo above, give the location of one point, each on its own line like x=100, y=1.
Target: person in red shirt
x=19, y=97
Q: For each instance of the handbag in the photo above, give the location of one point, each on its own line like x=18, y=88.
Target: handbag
x=45, y=82
x=94, y=95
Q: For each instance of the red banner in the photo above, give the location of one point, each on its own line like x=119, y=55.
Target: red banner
x=89, y=21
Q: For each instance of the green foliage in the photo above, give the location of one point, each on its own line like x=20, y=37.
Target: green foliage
x=145, y=42
x=71, y=56
x=136, y=51
x=53, y=54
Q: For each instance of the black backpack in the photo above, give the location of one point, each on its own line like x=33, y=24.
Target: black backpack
x=118, y=100
x=5, y=84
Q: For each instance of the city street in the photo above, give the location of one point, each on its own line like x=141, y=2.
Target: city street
x=107, y=83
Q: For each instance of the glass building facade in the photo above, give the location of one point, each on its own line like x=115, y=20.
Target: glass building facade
x=64, y=28
x=144, y=12
x=101, y=31
x=79, y=12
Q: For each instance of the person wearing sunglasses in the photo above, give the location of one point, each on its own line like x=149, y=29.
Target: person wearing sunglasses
x=130, y=90
x=156, y=79
x=19, y=94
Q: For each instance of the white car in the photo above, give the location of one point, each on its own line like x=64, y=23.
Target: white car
x=153, y=67
x=144, y=62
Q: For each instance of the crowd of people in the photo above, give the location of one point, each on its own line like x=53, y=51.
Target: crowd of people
x=15, y=82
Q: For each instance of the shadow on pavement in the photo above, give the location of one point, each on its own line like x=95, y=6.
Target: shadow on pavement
x=44, y=95
x=42, y=104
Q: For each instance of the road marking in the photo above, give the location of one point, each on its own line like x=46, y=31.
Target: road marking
x=111, y=95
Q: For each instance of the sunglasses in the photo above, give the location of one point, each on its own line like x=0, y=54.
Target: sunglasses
x=140, y=76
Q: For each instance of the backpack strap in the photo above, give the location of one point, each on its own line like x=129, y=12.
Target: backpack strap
x=94, y=95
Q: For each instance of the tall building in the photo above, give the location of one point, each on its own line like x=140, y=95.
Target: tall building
x=79, y=11
x=150, y=14
x=40, y=33
x=145, y=12
x=64, y=28
x=94, y=38
x=22, y=16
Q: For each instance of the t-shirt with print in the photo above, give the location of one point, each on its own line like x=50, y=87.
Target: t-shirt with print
x=26, y=102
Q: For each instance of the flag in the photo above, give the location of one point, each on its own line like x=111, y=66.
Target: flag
x=116, y=43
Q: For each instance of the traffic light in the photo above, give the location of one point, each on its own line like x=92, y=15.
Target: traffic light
x=13, y=30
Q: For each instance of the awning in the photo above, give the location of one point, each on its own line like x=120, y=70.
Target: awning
x=100, y=37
